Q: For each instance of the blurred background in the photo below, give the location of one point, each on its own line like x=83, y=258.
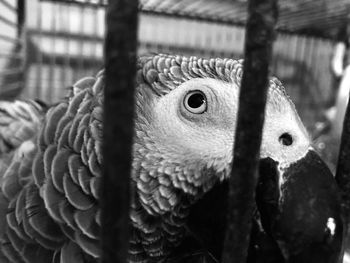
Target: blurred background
x=45, y=46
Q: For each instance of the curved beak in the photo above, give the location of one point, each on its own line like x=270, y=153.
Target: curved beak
x=300, y=209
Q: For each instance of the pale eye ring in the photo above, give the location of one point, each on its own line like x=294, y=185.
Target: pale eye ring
x=195, y=102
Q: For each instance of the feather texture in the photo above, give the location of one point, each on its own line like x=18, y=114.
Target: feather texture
x=19, y=121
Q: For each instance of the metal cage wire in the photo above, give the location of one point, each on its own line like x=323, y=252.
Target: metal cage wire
x=12, y=48
x=315, y=18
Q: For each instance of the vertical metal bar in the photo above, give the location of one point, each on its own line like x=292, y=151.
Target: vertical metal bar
x=21, y=7
x=120, y=62
x=20, y=16
x=52, y=68
x=68, y=68
x=81, y=59
x=94, y=47
x=39, y=61
x=63, y=16
x=343, y=167
x=262, y=17
x=343, y=174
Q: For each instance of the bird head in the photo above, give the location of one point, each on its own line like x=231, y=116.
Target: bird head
x=185, y=125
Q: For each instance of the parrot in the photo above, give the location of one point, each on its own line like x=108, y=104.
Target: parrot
x=184, y=126
x=20, y=121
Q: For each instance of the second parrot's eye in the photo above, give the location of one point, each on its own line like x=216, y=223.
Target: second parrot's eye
x=195, y=102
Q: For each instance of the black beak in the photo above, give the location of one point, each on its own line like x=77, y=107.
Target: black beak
x=300, y=209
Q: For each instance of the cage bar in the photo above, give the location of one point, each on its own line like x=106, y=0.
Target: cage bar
x=10, y=39
x=343, y=167
x=343, y=172
x=262, y=17
x=81, y=2
x=120, y=63
x=8, y=5
x=21, y=16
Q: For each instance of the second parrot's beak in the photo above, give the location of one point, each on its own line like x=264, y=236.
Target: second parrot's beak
x=300, y=209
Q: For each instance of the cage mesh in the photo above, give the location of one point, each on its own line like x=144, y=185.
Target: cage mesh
x=11, y=50
x=317, y=18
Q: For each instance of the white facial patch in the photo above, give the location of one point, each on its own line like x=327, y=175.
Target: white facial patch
x=331, y=226
x=285, y=139
x=281, y=179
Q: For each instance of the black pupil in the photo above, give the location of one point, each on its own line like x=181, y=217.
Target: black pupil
x=286, y=139
x=196, y=100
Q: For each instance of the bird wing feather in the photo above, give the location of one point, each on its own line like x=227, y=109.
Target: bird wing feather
x=50, y=192
x=19, y=121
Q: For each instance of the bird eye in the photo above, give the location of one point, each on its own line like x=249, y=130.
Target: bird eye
x=195, y=102
x=286, y=139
